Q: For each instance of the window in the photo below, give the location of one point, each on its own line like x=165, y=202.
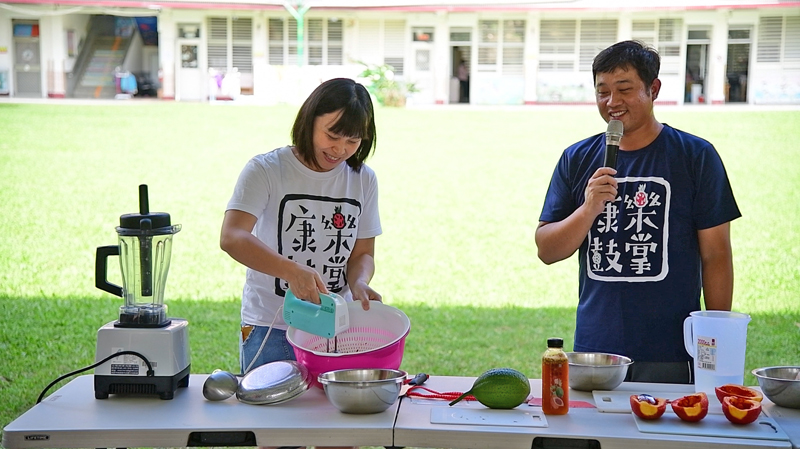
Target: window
x=230, y=44
x=778, y=39
x=422, y=34
x=322, y=41
x=335, y=42
x=513, y=46
x=501, y=46
x=664, y=36
x=669, y=42
x=769, y=39
x=791, y=51
x=242, y=44
x=394, y=47
x=557, y=45
x=567, y=45
x=188, y=30
x=595, y=36
x=218, y=43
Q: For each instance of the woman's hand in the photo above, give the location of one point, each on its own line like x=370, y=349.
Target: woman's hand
x=363, y=292
x=306, y=283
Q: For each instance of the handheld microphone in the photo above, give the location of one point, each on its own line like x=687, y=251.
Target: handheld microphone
x=613, y=136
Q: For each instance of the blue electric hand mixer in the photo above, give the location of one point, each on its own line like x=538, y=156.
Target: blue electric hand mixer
x=327, y=319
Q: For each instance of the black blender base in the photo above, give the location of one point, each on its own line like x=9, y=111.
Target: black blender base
x=163, y=386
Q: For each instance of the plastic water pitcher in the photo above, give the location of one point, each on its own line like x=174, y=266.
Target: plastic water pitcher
x=717, y=340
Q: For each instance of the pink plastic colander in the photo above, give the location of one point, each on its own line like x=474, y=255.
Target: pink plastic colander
x=376, y=339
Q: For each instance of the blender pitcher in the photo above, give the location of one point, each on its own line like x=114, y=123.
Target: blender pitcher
x=144, y=250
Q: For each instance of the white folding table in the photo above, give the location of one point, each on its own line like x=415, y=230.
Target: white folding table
x=581, y=427
x=71, y=417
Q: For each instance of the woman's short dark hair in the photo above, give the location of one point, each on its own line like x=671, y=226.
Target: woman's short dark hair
x=626, y=54
x=357, y=119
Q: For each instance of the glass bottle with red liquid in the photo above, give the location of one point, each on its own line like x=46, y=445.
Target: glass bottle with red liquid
x=555, y=378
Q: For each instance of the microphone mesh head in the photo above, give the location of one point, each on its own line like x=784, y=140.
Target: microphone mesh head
x=614, y=132
x=614, y=127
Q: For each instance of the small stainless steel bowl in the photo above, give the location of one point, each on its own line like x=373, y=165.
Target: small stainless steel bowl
x=362, y=390
x=780, y=384
x=596, y=370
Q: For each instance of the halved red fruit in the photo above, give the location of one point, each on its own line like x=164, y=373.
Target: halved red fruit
x=648, y=407
x=738, y=390
x=739, y=410
x=691, y=408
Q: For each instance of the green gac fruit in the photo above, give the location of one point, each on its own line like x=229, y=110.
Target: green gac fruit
x=502, y=388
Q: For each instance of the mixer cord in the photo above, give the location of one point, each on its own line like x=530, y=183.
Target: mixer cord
x=264, y=341
x=150, y=372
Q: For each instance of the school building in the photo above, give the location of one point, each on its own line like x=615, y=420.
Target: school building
x=515, y=52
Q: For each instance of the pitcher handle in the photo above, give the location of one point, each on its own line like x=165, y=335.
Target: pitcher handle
x=101, y=271
x=688, y=337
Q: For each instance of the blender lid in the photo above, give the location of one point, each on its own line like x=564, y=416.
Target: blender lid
x=155, y=223
x=146, y=222
x=274, y=383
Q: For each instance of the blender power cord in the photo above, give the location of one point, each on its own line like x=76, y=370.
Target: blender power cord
x=150, y=372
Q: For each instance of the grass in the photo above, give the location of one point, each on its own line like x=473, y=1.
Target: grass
x=460, y=195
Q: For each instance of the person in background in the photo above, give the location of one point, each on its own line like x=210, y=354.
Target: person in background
x=650, y=234
x=463, y=80
x=305, y=216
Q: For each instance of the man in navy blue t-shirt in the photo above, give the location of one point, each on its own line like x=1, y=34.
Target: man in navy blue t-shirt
x=650, y=234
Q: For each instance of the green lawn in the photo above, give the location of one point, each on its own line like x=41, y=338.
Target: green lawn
x=460, y=195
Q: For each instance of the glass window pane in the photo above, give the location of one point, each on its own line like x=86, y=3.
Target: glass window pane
x=488, y=31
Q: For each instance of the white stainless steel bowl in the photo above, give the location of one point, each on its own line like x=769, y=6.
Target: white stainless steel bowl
x=596, y=370
x=780, y=384
x=362, y=390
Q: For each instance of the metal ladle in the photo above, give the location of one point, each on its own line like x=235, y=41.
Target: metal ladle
x=220, y=385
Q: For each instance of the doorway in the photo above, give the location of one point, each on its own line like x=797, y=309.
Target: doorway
x=460, y=62
x=737, y=66
x=190, y=77
x=697, y=65
x=27, y=61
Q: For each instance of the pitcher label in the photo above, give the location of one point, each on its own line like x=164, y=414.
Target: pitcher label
x=706, y=354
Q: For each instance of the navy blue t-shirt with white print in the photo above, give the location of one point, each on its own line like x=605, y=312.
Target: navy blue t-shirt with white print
x=640, y=269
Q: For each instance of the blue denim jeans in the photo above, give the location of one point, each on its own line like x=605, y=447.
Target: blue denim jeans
x=276, y=348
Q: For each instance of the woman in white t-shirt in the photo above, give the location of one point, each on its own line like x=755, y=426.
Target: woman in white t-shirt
x=305, y=217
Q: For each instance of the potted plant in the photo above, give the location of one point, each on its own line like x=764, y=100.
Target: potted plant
x=382, y=85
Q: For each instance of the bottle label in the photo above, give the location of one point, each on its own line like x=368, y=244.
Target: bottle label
x=556, y=386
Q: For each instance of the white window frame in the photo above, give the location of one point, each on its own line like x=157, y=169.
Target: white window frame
x=496, y=51
x=665, y=36
x=778, y=40
x=328, y=39
x=237, y=45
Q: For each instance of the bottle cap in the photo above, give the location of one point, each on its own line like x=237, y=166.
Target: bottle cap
x=555, y=342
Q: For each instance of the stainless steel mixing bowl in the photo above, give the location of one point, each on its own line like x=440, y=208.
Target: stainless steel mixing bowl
x=780, y=384
x=362, y=390
x=596, y=370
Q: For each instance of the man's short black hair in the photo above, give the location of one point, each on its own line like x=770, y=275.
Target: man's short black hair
x=626, y=54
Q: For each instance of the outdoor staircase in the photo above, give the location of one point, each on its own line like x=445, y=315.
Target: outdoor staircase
x=94, y=75
x=108, y=53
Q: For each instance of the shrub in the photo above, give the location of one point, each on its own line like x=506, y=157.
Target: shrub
x=382, y=85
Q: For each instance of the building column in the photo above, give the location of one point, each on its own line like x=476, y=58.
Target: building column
x=531, y=58
x=441, y=59
x=718, y=57
x=167, y=36
x=53, y=54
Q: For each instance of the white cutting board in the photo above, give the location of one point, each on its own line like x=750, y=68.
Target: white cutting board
x=619, y=401
x=764, y=428
x=488, y=417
